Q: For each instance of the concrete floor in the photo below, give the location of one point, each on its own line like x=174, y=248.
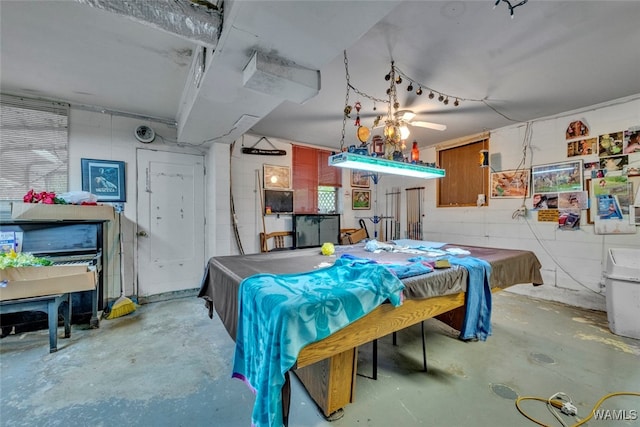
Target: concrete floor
x=168, y=364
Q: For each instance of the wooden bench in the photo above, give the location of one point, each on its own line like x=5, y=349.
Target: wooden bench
x=49, y=304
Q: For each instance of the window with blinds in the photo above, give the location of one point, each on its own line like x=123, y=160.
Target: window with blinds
x=34, y=137
x=315, y=183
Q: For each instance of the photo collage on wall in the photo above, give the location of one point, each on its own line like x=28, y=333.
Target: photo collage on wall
x=598, y=178
x=611, y=172
x=558, y=193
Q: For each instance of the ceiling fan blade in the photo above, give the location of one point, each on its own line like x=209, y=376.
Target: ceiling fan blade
x=405, y=115
x=465, y=107
x=429, y=125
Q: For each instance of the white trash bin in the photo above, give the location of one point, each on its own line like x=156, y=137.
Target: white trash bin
x=622, y=278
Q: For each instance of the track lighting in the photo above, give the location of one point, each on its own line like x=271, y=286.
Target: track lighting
x=410, y=87
x=398, y=80
x=446, y=101
x=431, y=95
x=419, y=91
x=456, y=102
x=441, y=98
x=387, y=77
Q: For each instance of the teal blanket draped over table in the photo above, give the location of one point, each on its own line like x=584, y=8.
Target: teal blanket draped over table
x=477, y=317
x=280, y=314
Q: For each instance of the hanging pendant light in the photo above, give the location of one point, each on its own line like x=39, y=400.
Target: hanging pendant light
x=395, y=134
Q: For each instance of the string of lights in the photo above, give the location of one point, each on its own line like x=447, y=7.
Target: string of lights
x=442, y=96
x=509, y=5
x=399, y=76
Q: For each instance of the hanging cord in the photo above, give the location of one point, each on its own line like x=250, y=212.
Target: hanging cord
x=347, y=107
x=521, y=212
x=346, y=101
x=567, y=407
x=555, y=261
x=259, y=190
x=234, y=217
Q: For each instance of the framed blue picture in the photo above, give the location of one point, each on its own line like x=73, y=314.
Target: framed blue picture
x=105, y=179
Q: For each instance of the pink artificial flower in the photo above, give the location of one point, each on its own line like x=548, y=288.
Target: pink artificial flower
x=43, y=197
x=28, y=198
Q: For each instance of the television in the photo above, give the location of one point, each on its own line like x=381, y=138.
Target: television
x=278, y=202
x=312, y=230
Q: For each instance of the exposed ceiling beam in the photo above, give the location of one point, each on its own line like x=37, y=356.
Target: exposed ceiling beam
x=198, y=21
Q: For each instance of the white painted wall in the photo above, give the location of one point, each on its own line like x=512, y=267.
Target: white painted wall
x=106, y=136
x=572, y=260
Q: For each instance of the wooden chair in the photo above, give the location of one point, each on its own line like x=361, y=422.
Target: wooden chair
x=279, y=240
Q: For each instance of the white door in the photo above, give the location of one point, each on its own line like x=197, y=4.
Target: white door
x=170, y=234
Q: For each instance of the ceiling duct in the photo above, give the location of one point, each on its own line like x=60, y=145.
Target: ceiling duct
x=196, y=20
x=281, y=78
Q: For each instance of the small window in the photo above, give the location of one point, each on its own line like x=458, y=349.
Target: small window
x=33, y=143
x=465, y=177
x=328, y=200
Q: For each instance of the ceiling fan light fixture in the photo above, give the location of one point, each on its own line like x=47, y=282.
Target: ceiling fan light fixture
x=404, y=131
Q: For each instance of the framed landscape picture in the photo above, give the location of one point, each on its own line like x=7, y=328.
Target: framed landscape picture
x=557, y=177
x=105, y=179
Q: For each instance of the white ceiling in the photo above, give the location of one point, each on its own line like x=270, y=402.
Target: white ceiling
x=551, y=57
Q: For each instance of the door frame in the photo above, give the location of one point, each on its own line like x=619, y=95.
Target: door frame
x=141, y=175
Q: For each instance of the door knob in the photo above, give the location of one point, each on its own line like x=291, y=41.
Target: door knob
x=142, y=233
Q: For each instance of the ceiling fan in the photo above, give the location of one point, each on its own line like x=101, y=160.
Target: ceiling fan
x=405, y=117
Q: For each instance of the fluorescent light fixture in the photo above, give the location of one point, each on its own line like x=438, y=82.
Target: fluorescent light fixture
x=378, y=164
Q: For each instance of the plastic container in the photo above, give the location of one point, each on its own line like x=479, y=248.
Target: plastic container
x=622, y=278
